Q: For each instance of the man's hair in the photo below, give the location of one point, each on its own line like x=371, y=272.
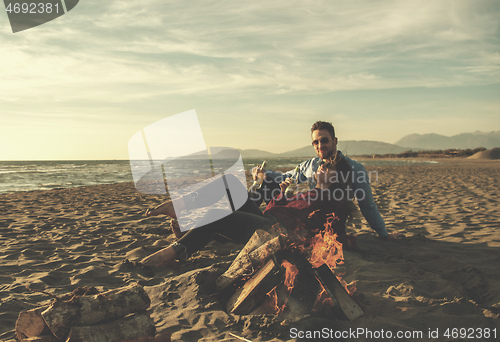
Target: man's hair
x=323, y=125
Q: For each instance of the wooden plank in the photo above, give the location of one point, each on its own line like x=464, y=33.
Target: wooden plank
x=337, y=292
x=255, y=289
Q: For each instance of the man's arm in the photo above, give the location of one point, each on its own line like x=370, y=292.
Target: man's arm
x=363, y=192
x=306, y=171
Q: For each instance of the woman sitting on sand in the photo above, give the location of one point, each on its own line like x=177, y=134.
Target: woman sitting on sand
x=308, y=210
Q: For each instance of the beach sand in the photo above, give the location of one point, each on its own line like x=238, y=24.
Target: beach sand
x=444, y=275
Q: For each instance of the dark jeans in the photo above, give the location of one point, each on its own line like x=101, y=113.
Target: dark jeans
x=238, y=226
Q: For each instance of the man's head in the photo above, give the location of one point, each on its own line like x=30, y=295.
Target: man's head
x=323, y=139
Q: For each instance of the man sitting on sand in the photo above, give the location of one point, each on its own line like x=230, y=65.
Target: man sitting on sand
x=343, y=173
x=348, y=171
x=301, y=215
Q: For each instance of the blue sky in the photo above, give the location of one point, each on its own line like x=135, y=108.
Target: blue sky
x=258, y=73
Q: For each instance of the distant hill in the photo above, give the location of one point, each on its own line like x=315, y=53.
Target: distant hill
x=414, y=142
x=252, y=154
x=460, y=141
x=348, y=147
x=353, y=147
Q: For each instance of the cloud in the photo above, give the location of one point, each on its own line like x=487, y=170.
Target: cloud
x=123, y=51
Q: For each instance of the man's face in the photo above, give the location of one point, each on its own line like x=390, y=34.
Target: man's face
x=323, y=144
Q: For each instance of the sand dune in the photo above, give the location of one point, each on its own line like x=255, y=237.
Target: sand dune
x=444, y=275
x=492, y=154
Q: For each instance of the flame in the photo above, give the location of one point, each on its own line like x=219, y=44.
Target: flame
x=278, y=296
x=290, y=275
x=272, y=300
x=322, y=248
x=326, y=249
x=323, y=299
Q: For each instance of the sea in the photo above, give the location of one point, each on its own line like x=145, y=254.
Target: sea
x=47, y=175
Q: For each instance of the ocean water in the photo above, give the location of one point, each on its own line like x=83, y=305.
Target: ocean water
x=46, y=175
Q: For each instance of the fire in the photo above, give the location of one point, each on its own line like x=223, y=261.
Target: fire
x=322, y=248
x=278, y=296
x=322, y=299
x=290, y=275
x=326, y=249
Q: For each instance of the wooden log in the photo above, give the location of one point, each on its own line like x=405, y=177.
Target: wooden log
x=246, y=261
x=130, y=327
x=87, y=310
x=306, y=286
x=30, y=323
x=258, y=238
x=337, y=292
x=254, y=290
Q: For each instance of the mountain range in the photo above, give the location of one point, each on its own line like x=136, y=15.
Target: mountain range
x=415, y=142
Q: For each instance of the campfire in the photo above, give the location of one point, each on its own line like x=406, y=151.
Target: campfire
x=285, y=272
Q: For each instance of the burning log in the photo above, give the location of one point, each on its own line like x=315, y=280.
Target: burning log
x=30, y=324
x=61, y=316
x=274, y=303
x=140, y=327
x=244, y=261
x=255, y=289
x=337, y=292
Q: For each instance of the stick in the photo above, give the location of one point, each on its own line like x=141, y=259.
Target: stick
x=239, y=337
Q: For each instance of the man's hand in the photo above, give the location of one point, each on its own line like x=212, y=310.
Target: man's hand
x=285, y=184
x=324, y=177
x=257, y=173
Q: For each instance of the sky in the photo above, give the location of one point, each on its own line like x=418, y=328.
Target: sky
x=258, y=74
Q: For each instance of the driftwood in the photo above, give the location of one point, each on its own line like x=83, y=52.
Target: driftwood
x=254, y=290
x=337, y=292
x=88, y=310
x=30, y=324
x=245, y=261
x=136, y=326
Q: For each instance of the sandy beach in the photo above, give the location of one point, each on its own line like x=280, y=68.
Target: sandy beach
x=444, y=275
